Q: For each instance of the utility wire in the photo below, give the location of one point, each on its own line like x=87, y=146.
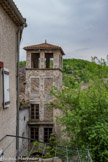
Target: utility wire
x=8, y=145
x=59, y=147
x=20, y=151
x=30, y=153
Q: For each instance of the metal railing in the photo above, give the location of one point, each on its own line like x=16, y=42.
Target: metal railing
x=40, y=149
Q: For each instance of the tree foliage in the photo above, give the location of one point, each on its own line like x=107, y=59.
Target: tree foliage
x=77, y=70
x=85, y=113
x=22, y=63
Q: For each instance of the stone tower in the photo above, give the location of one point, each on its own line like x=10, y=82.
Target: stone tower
x=43, y=70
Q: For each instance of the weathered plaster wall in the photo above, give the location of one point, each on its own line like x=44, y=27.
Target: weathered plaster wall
x=23, y=128
x=8, y=56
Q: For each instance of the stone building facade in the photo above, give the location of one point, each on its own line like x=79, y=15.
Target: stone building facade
x=11, y=23
x=43, y=71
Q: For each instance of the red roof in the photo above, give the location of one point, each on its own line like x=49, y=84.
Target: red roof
x=44, y=46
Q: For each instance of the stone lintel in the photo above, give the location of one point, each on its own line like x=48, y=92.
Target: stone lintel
x=44, y=69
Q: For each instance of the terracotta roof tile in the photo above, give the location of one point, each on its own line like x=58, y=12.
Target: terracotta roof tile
x=44, y=46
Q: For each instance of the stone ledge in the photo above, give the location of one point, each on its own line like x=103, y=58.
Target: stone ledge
x=44, y=69
x=40, y=123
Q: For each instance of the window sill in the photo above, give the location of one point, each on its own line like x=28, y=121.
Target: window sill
x=44, y=69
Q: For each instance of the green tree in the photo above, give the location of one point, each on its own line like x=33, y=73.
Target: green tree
x=77, y=70
x=22, y=63
x=85, y=113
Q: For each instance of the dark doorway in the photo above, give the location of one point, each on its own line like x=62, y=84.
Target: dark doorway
x=47, y=133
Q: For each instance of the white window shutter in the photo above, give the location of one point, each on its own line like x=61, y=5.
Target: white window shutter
x=6, y=89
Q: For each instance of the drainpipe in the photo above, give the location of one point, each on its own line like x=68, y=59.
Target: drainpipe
x=19, y=32
x=18, y=104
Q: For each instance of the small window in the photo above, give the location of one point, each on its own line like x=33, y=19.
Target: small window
x=35, y=134
x=35, y=111
x=47, y=133
x=35, y=60
x=49, y=60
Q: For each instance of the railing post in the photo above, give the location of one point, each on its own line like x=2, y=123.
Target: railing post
x=55, y=151
x=89, y=156
x=79, y=155
x=67, y=154
x=44, y=150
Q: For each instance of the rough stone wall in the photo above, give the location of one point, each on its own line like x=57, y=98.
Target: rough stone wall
x=22, y=87
x=42, y=55
x=48, y=83
x=22, y=69
x=42, y=75
x=8, y=49
x=38, y=86
x=34, y=85
x=39, y=83
x=28, y=60
x=41, y=132
x=56, y=56
x=48, y=114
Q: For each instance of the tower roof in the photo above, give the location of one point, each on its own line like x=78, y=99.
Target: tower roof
x=44, y=46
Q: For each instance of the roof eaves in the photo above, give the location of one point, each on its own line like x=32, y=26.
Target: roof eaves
x=17, y=12
x=42, y=48
x=14, y=12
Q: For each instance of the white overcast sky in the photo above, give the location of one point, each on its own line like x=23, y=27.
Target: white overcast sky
x=80, y=27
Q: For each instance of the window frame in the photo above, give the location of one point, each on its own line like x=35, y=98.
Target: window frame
x=35, y=60
x=35, y=135
x=48, y=58
x=47, y=135
x=35, y=115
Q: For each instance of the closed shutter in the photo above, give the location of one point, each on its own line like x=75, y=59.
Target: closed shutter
x=1, y=64
x=6, y=89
